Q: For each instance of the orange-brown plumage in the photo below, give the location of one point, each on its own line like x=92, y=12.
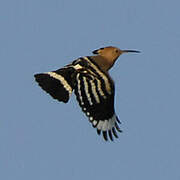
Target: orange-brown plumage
x=107, y=56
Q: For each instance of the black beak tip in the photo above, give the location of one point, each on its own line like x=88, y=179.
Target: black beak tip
x=137, y=51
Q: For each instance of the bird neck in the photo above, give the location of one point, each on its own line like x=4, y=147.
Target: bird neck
x=102, y=62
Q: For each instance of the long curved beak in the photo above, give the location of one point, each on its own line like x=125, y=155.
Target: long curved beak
x=130, y=51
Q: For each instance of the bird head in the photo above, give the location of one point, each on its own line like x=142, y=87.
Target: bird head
x=111, y=54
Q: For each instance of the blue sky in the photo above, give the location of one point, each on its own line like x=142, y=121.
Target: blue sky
x=41, y=138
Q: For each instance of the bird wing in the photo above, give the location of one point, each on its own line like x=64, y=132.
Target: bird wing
x=59, y=84
x=94, y=91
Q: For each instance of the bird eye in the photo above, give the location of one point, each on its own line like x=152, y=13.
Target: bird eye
x=116, y=51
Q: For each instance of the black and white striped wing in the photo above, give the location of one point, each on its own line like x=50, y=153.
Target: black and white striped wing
x=59, y=84
x=95, y=93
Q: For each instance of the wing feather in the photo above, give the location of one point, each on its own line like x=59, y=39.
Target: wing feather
x=96, y=98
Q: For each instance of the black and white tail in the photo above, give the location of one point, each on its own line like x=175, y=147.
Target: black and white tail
x=59, y=84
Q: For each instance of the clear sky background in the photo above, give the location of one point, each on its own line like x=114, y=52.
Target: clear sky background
x=41, y=138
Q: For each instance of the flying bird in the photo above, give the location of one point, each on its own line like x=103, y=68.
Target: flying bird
x=89, y=78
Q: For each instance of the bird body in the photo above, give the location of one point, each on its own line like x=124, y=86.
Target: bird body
x=88, y=77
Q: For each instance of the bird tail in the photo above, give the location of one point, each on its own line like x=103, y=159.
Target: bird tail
x=59, y=84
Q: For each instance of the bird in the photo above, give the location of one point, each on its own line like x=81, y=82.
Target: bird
x=88, y=77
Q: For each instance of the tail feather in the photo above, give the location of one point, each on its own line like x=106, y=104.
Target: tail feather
x=59, y=84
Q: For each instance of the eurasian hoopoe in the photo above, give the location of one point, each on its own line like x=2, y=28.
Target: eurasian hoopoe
x=94, y=89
